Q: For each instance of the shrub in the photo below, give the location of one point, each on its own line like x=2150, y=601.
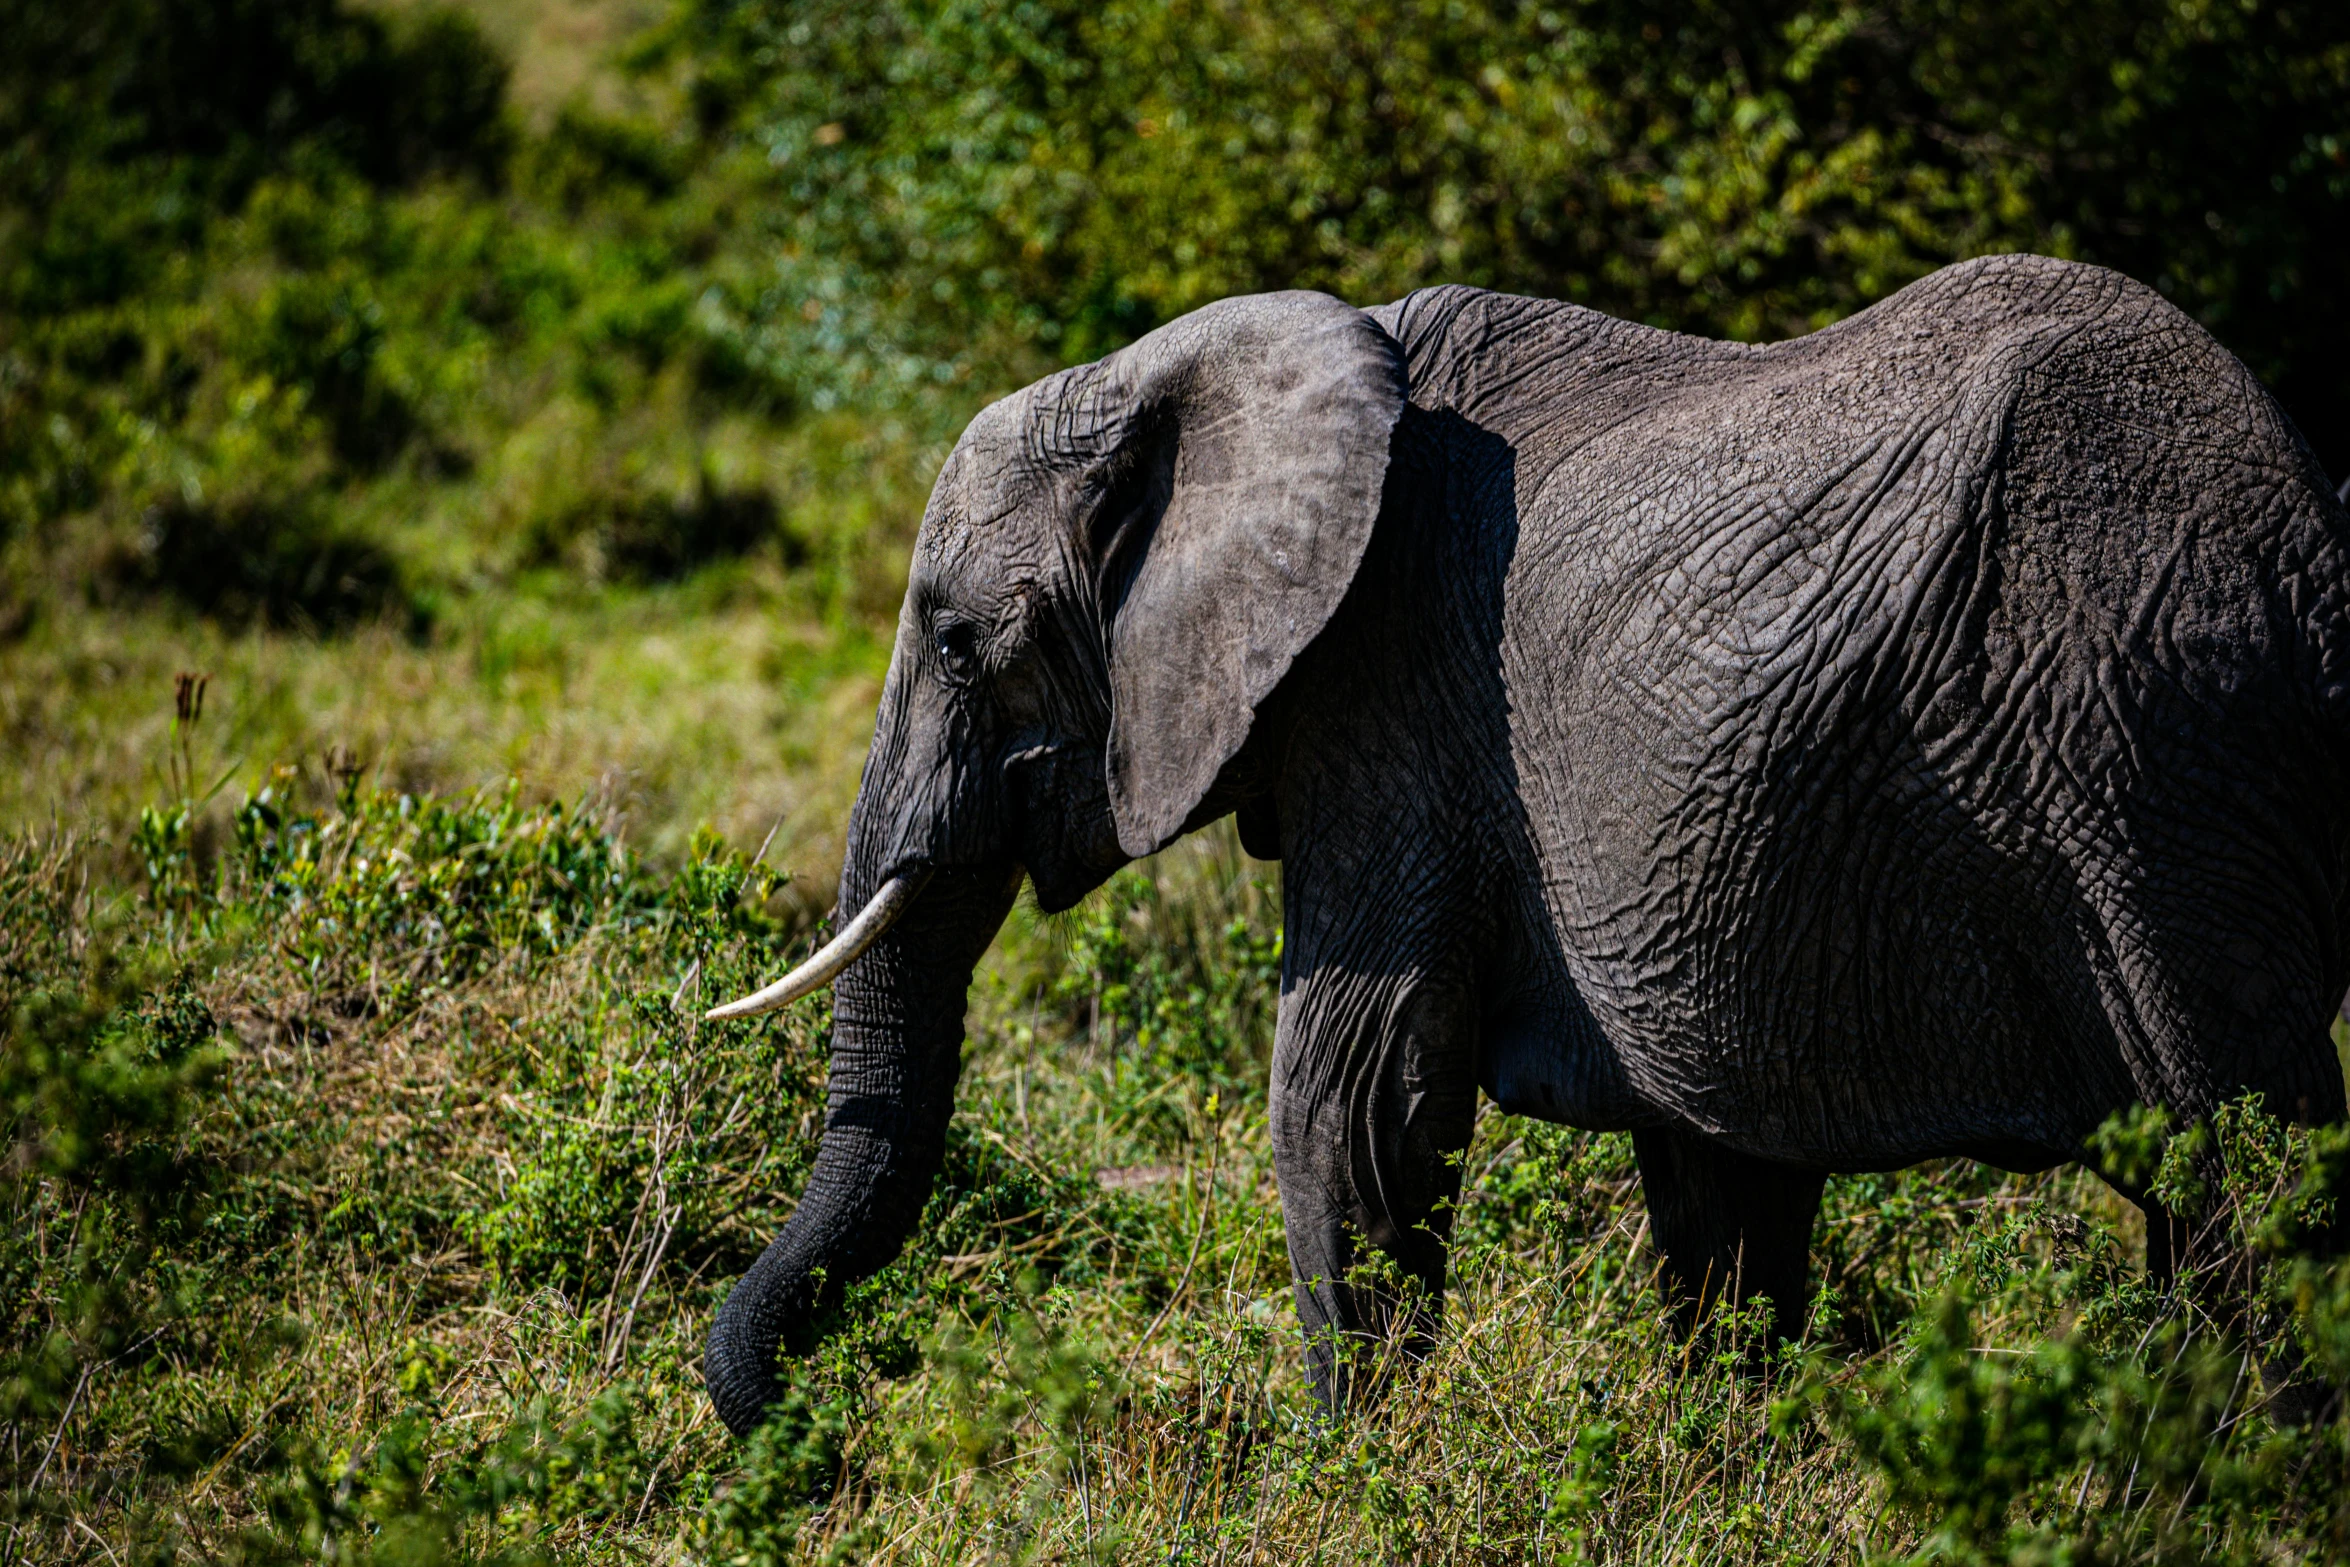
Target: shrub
x=403, y=890
x=242, y=86
x=325, y=333
x=1148, y=981
x=961, y=179
x=248, y=561
x=99, y=1083
x=2202, y=1431
x=637, y=535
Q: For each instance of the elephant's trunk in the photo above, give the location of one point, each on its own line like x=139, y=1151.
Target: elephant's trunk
x=897, y=1042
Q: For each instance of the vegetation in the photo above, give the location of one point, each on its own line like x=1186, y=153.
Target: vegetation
x=453, y=505
x=1064, y=175
x=373, y=1182
x=417, y=427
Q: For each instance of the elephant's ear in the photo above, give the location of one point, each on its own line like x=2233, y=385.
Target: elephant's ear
x=1247, y=473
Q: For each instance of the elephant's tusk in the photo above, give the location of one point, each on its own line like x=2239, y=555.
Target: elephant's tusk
x=842, y=950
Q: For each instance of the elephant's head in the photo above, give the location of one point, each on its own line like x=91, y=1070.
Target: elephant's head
x=1116, y=567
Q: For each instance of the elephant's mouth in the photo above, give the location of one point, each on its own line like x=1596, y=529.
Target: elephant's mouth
x=1061, y=826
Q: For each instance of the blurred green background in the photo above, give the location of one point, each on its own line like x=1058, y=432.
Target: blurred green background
x=549, y=388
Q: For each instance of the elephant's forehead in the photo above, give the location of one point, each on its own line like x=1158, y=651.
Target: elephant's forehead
x=988, y=480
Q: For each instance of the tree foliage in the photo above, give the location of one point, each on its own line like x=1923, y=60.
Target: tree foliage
x=125, y=123
x=1063, y=175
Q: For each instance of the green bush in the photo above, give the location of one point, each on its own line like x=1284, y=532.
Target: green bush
x=632, y=535
x=124, y=123
x=251, y=307
x=2206, y=1425
x=1161, y=993
x=391, y=892
x=959, y=179
x=101, y=1078
x=96, y=1095
x=246, y=561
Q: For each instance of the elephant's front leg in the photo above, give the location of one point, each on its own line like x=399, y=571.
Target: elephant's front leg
x=1374, y=1097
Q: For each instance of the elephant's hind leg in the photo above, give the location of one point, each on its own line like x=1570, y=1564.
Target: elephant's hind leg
x=1729, y=1226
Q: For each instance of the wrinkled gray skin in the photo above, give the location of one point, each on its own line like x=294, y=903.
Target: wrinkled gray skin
x=1924, y=737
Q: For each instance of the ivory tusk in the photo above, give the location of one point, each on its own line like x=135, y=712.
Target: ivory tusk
x=842, y=950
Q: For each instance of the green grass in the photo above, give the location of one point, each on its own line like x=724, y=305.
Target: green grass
x=720, y=701
x=373, y=1184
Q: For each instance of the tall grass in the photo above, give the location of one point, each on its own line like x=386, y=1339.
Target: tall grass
x=373, y=1183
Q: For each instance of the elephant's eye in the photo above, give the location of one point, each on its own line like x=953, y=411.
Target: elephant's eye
x=958, y=649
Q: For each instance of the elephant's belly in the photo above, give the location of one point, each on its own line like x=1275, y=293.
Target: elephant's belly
x=1860, y=969
x=1946, y=1075
x=1927, y=981
x=1552, y=1062
x=1803, y=1074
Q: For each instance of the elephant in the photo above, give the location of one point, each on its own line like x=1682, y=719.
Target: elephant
x=1924, y=737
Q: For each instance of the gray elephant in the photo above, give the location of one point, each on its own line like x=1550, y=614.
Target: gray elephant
x=1921, y=738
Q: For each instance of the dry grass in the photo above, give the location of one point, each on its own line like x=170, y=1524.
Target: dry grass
x=722, y=705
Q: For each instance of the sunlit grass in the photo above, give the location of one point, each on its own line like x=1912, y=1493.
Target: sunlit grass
x=717, y=703
x=454, y=1216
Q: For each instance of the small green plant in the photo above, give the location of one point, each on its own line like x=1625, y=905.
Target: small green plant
x=1582, y=1491
x=1176, y=1008
x=427, y=890
x=2183, y=1438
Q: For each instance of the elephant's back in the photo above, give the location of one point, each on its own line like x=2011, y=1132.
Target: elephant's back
x=1927, y=721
